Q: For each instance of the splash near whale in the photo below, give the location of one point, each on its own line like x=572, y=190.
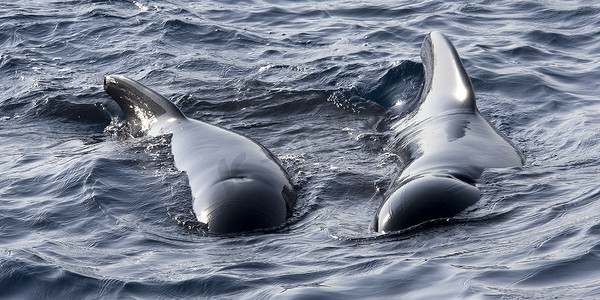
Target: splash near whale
x=237, y=184
x=447, y=143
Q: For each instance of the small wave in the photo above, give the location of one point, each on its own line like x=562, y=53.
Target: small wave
x=56, y=107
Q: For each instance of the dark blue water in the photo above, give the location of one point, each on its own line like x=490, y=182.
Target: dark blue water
x=88, y=212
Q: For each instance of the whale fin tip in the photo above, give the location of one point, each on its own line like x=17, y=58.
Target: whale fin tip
x=446, y=84
x=141, y=105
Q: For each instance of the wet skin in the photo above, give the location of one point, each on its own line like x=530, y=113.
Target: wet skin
x=447, y=142
x=237, y=184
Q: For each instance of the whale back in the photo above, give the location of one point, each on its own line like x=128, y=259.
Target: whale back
x=447, y=129
x=237, y=185
x=141, y=106
x=446, y=85
x=447, y=142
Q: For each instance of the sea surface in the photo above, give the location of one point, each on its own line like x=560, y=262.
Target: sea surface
x=88, y=212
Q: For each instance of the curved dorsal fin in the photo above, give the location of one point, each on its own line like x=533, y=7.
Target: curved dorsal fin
x=141, y=105
x=446, y=85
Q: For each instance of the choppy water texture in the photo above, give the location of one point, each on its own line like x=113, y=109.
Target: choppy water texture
x=87, y=212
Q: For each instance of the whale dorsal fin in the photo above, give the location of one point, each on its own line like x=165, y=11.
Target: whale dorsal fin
x=141, y=105
x=446, y=85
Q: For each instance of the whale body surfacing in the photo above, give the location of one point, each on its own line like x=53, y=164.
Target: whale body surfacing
x=448, y=144
x=237, y=184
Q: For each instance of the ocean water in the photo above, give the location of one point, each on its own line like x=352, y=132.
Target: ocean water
x=89, y=212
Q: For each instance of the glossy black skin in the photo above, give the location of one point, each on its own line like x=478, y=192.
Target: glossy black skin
x=447, y=142
x=237, y=184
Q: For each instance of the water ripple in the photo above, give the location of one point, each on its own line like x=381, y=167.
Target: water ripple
x=89, y=212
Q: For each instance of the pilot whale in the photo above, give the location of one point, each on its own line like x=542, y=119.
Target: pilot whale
x=237, y=184
x=446, y=143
